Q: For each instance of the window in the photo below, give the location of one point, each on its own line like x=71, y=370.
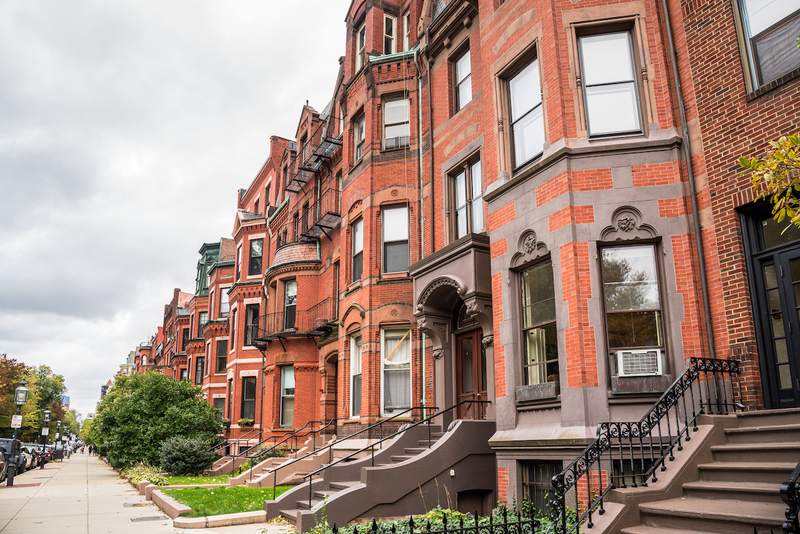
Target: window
x=305, y=218
x=361, y=43
x=287, y=396
x=222, y=356
x=230, y=398
x=609, y=83
x=233, y=329
x=256, y=255
x=771, y=28
x=199, y=368
x=202, y=326
x=251, y=324
x=526, y=113
x=266, y=198
x=184, y=374
x=257, y=207
x=395, y=239
x=462, y=76
x=248, y=410
x=537, y=481
x=467, y=199
x=358, y=249
x=289, y=304
x=355, y=376
x=389, y=31
x=336, y=289
x=396, y=126
x=359, y=136
x=296, y=226
x=539, y=324
x=185, y=338
x=219, y=405
x=396, y=370
x=632, y=297
x=238, y=262
x=407, y=30
x=224, y=304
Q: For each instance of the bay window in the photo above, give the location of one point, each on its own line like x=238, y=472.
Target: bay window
x=250, y=324
x=540, y=345
x=355, y=376
x=396, y=125
x=256, y=255
x=389, y=34
x=609, y=83
x=289, y=304
x=224, y=304
x=199, y=368
x=222, y=356
x=395, y=239
x=395, y=370
x=238, y=262
x=287, y=396
x=248, y=409
x=202, y=323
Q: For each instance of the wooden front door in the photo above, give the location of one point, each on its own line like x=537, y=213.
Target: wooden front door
x=470, y=374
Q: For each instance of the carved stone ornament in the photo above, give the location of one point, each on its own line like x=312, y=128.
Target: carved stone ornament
x=529, y=248
x=626, y=223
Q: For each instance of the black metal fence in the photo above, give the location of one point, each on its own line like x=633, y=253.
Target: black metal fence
x=505, y=522
x=790, y=493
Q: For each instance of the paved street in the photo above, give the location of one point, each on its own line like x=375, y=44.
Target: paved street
x=83, y=495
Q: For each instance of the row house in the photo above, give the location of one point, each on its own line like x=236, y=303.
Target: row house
x=523, y=215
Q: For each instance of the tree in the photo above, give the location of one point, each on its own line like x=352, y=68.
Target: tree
x=141, y=411
x=776, y=177
x=11, y=374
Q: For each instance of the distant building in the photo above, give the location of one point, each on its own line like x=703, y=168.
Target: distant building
x=65, y=401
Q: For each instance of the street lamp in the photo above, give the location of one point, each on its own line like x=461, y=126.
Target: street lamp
x=58, y=441
x=45, y=431
x=20, y=398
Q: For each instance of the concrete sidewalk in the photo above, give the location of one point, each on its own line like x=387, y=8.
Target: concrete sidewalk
x=83, y=495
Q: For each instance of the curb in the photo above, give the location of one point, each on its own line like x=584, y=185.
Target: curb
x=224, y=520
x=168, y=505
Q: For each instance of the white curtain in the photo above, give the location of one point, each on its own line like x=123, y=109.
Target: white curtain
x=396, y=370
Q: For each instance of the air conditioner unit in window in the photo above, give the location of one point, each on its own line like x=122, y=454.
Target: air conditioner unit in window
x=645, y=362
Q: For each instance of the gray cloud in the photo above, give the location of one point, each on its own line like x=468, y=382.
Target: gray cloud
x=125, y=129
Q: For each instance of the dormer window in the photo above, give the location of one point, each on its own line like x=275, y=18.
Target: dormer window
x=361, y=43
x=389, y=34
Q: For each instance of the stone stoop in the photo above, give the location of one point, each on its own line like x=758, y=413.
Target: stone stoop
x=258, y=474
x=732, y=485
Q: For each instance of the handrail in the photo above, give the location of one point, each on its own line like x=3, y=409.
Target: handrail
x=405, y=428
x=329, y=446
x=274, y=438
x=643, y=446
x=790, y=494
x=228, y=441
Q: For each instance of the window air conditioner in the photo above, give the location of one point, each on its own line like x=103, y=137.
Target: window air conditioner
x=645, y=362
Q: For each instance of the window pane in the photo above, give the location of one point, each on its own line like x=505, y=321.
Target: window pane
x=463, y=67
x=775, y=233
x=612, y=108
x=541, y=347
x=395, y=111
x=358, y=237
x=461, y=189
x=396, y=390
x=528, y=137
x=526, y=92
x=461, y=222
x=357, y=266
x=287, y=380
x=464, y=89
x=606, y=58
x=256, y=248
x=355, y=356
x=630, y=280
x=634, y=329
x=397, y=130
x=291, y=293
x=538, y=295
x=395, y=223
x=395, y=256
x=477, y=186
x=467, y=382
x=477, y=215
x=761, y=14
x=397, y=348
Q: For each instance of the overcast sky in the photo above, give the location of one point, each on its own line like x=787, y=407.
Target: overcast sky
x=126, y=128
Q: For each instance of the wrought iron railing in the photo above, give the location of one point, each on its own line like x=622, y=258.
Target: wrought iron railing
x=288, y=322
x=790, y=493
x=317, y=151
x=631, y=453
x=504, y=522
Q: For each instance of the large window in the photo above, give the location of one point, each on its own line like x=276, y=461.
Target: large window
x=224, y=304
x=289, y=304
x=250, y=324
x=396, y=370
x=633, y=307
x=358, y=250
x=199, y=369
x=771, y=29
x=396, y=126
x=467, y=199
x=395, y=239
x=359, y=136
x=527, y=119
x=287, y=396
x=609, y=83
x=539, y=324
x=355, y=376
x=256, y=256
x=462, y=79
x=248, y=410
x=219, y=405
x=361, y=43
x=537, y=480
x=202, y=323
x=389, y=34
x=222, y=356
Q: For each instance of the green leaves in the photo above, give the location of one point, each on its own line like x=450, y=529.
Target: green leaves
x=776, y=177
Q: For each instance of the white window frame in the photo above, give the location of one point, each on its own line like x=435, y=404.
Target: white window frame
x=284, y=396
x=406, y=30
x=387, y=125
x=356, y=340
x=361, y=44
x=384, y=242
x=392, y=35
x=223, y=291
x=410, y=361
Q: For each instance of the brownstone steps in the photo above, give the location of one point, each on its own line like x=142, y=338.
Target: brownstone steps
x=646, y=529
x=773, y=472
x=757, y=452
x=763, y=434
x=727, y=516
x=715, y=489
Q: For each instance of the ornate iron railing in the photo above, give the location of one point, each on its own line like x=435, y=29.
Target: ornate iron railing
x=790, y=493
x=504, y=522
x=630, y=453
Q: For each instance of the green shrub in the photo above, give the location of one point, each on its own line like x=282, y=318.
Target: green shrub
x=137, y=473
x=186, y=456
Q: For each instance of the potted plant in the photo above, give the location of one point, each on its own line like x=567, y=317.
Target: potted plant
x=246, y=421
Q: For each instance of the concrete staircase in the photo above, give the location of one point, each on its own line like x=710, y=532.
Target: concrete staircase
x=410, y=476
x=261, y=473
x=730, y=483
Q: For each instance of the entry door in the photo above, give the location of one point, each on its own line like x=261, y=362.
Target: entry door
x=470, y=374
x=780, y=278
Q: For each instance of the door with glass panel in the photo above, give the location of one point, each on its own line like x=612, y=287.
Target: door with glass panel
x=470, y=374
x=775, y=264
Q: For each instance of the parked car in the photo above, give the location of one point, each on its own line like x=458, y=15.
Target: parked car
x=6, y=447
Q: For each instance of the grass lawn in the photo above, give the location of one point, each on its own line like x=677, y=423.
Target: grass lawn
x=227, y=500
x=197, y=479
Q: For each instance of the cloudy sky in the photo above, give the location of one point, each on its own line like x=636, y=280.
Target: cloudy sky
x=126, y=128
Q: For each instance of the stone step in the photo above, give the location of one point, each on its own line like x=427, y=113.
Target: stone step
x=399, y=458
x=746, y=491
x=302, y=504
x=725, y=516
x=645, y=529
x=341, y=485
x=769, y=472
x=424, y=442
x=757, y=452
x=763, y=434
x=781, y=416
x=415, y=450
x=291, y=515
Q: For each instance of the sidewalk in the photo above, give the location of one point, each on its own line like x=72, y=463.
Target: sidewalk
x=83, y=495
